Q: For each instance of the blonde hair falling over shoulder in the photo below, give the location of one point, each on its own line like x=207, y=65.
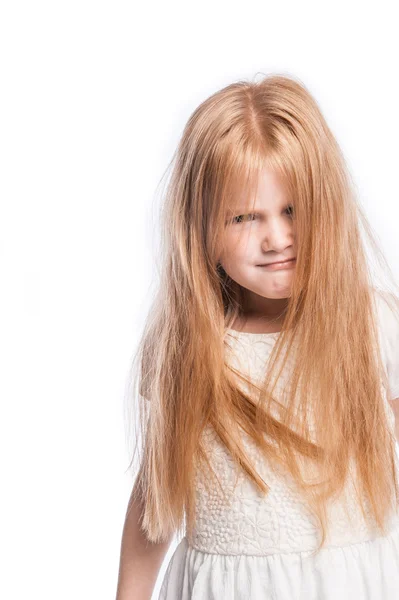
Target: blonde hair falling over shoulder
x=180, y=380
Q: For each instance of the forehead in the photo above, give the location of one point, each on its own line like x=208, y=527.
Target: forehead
x=266, y=192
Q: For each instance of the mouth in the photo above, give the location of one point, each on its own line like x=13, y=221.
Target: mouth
x=282, y=262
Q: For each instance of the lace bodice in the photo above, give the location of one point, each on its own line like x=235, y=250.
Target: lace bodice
x=242, y=520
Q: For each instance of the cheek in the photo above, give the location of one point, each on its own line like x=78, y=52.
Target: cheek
x=238, y=247
x=235, y=258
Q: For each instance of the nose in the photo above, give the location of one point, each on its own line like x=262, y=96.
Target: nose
x=277, y=236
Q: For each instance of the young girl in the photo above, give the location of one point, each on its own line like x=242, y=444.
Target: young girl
x=268, y=370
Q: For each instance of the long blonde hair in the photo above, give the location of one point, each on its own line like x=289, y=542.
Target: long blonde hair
x=180, y=379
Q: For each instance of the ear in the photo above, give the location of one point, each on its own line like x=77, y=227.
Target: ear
x=220, y=269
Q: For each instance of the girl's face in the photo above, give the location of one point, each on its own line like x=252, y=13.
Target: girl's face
x=265, y=235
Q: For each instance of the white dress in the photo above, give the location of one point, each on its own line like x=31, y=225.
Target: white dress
x=251, y=547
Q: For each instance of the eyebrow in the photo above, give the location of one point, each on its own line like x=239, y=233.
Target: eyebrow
x=240, y=210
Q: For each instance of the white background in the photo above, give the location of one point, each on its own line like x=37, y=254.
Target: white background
x=94, y=97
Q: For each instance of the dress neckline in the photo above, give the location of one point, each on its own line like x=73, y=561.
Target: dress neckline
x=254, y=335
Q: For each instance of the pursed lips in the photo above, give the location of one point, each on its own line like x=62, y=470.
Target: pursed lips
x=277, y=261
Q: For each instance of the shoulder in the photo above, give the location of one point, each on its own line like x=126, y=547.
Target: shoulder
x=387, y=309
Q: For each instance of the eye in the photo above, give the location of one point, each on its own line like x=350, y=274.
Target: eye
x=290, y=208
x=242, y=218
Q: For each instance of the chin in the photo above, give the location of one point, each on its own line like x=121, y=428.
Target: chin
x=276, y=294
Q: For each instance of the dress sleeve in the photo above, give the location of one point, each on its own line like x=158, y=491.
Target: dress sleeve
x=388, y=320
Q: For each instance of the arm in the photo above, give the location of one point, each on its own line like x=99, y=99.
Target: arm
x=395, y=407
x=140, y=560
